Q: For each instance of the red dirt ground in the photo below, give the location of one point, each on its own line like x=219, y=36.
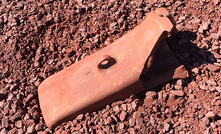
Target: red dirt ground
x=40, y=38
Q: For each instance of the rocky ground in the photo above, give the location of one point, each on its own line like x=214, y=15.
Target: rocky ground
x=40, y=38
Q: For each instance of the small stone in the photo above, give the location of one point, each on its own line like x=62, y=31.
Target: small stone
x=216, y=55
x=191, y=96
x=13, y=87
x=195, y=70
x=52, y=47
x=213, y=125
x=79, y=1
x=215, y=2
x=38, y=58
x=171, y=131
x=203, y=87
x=80, y=117
x=18, y=124
x=135, y=104
x=218, y=89
x=124, y=107
x=219, y=122
x=211, y=82
x=206, y=121
x=116, y=109
x=210, y=115
x=29, y=97
x=71, y=52
x=155, y=109
x=39, y=50
x=107, y=108
x=181, y=18
x=178, y=87
x=38, y=81
x=132, y=131
x=39, y=126
x=49, y=18
x=107, y=121
x=105, y=115
x=207, y=131
x=151, y=94
x=10, y=96
x=26, y=117
x=203, y=27
x=64, y=1
x=93, y=5
x=198, y=78
x=179, y=27
x=120, y=21
x=30, y=122
x=20, y=131
x=167, y=127
x=213, y=68
x=113, y=24
x=5, y=123
x=78, y=127
x=121, y=126
x=123, y=115
x=31, y=129
x=131, y=122
x=2, y=104
x=200, y=30
x=180, y=82
x=212, y=89
x=215, y=49
x=4, y=131
x=178, y=93
x=4, y=2
x=162, y=95
x=117, y=103
x=115, y=118
x=76, y=132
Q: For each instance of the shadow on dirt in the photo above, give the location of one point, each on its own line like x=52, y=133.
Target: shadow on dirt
x=188, y=53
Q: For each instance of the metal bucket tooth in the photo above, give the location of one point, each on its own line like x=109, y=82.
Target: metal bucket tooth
x=132, y=64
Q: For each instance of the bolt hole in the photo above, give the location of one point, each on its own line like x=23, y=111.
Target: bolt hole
x=106, y=62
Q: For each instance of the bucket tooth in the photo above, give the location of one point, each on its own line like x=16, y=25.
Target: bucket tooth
x=132, y=64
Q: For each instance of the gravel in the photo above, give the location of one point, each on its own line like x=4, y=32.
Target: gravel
x=40, y=38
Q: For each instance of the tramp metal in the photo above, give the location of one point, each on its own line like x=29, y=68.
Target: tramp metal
x=132, y=64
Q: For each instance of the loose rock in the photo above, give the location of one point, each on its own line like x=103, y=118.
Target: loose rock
x=210, y=115
x=178, y=93
x=123, y=115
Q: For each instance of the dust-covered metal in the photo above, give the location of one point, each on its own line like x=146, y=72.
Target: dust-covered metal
x=132, y=64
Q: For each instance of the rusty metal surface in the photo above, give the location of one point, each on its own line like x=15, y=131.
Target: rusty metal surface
x=115, y=72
